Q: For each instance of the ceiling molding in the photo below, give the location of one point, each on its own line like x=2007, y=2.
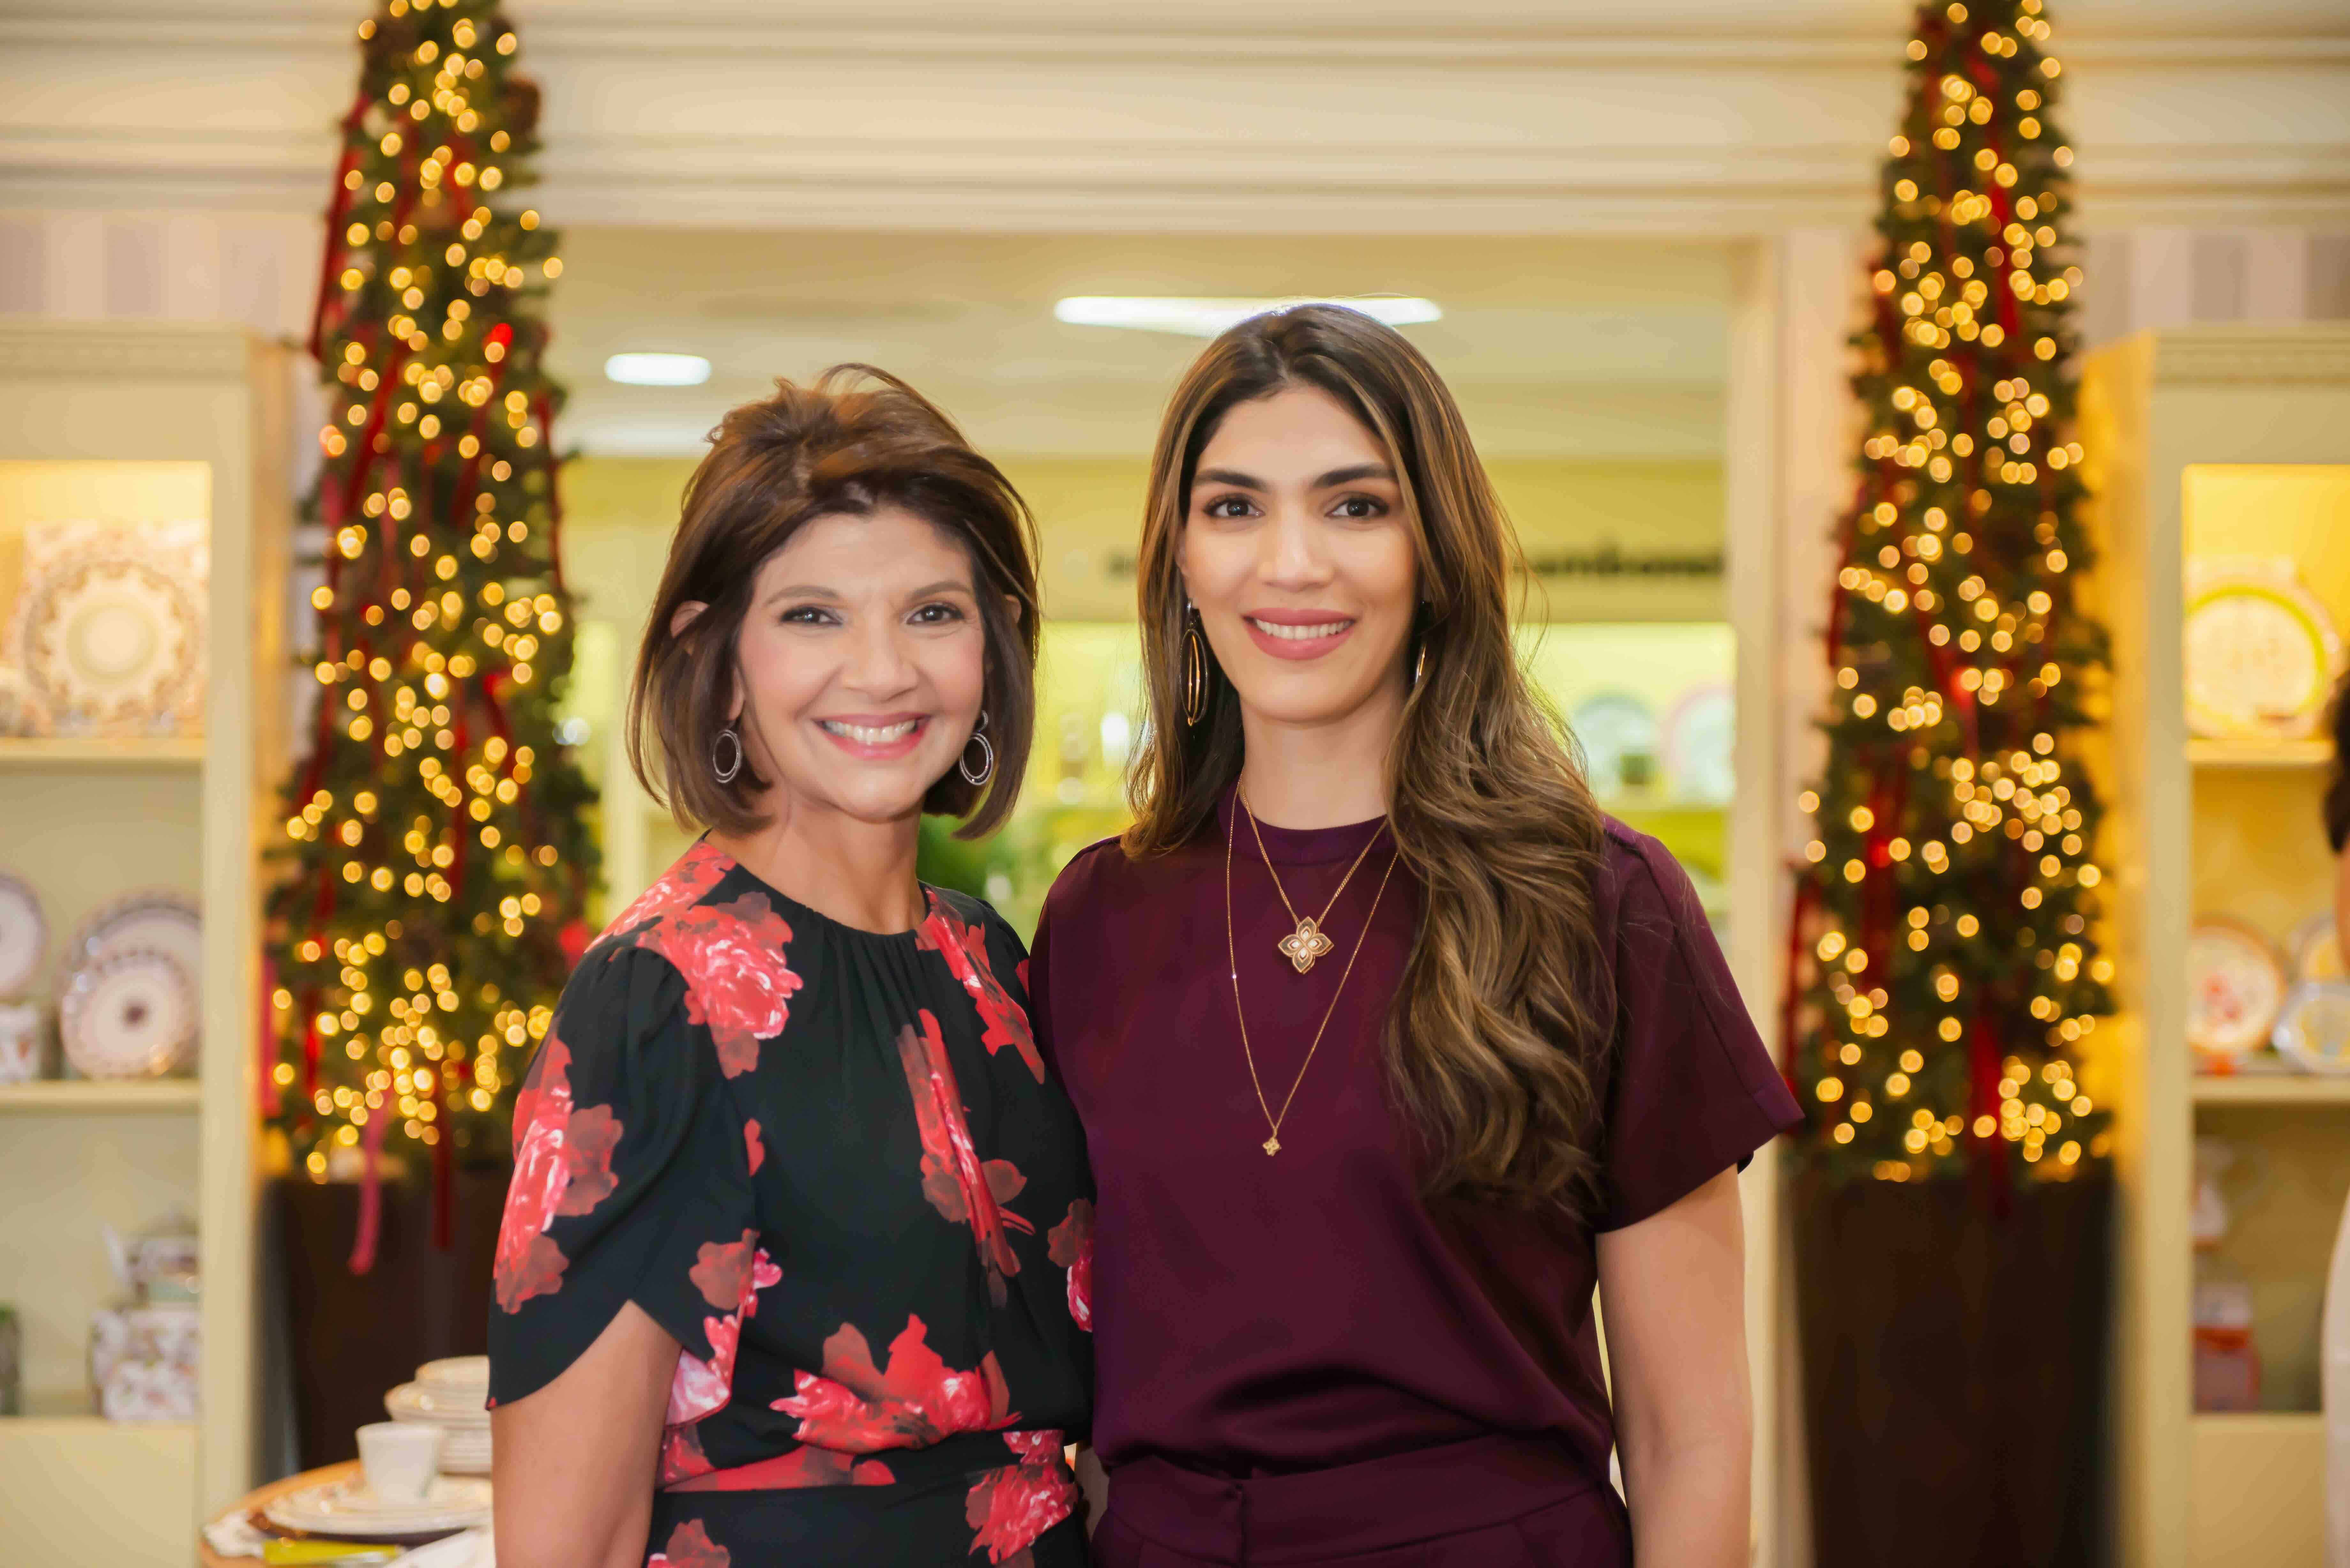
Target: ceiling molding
x=991, y=115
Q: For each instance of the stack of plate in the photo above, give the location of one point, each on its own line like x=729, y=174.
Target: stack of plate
x=454, y=1395
x=347, y=1511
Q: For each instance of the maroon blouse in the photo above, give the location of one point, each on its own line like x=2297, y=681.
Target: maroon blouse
x=1258, y=1314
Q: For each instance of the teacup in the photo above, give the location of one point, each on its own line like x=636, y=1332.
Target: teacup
x=401, y=1459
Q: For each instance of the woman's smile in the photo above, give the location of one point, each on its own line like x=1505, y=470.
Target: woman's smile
x=875, y=737
x=1297, y=633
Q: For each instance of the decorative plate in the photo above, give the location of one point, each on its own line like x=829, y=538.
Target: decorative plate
x=109, y=627
x=132, y=1016
x=157, y=920
x=1700, y=746
x=347, y=1510
x=2314, y=1028
x=1618, y=735
x=22, y=711
x=2235, y=986
x=2316, y=952
x=2261, y=651
x=438, y=1407
x=23, y=934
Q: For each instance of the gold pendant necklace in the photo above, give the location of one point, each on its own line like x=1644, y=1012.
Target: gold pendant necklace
x=1272, y=1145
x=1308, y=941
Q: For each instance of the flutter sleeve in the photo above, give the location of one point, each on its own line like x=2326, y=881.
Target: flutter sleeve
x=1693, y=1090
x=632, y=1183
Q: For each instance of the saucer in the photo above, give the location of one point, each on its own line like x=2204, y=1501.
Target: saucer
x=347, y=1509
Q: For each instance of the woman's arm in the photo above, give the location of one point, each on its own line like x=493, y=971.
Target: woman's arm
x=572, y=1465
x=1672, y=1289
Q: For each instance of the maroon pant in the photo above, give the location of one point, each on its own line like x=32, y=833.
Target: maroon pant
x=1490, y=1502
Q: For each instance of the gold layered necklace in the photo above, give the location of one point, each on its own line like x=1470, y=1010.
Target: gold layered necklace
x=1272, y=1119
x=1308, y=941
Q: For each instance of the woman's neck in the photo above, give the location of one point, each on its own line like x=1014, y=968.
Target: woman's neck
x=1323, y=775
x=858, y=873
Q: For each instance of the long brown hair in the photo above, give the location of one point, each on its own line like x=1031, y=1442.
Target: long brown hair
x=1505, y=1005
x=853, y=440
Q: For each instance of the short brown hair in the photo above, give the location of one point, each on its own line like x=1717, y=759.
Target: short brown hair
x=854, y=440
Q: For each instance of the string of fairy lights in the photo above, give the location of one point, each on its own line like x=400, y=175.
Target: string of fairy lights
x=439, y=859
x=1948, y=964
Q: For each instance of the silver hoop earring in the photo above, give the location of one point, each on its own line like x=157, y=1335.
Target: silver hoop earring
x=724, y=771
x=986, y=756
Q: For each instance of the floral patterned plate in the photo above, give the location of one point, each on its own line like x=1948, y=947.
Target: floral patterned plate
x=2235, y=988
x=2260, y=651
x=132, y=1016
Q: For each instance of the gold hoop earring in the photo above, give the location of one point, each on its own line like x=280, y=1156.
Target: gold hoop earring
x=1195, y=667
x=1420, y=666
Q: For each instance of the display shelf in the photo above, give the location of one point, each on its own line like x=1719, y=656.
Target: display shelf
x=2272, y=1089
x=81, y=754
x=2260, y=1488
x=128, y=423
x=2218, y=753
x=2206, y=442
x=72, y=1097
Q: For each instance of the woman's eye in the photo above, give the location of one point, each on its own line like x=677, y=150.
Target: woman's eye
x=937, y=615
x=806, y=615
x=1362, y=506
x=1226, y=506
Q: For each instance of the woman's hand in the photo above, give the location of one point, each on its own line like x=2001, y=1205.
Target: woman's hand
x=572, y=1465
x=1672, y=1289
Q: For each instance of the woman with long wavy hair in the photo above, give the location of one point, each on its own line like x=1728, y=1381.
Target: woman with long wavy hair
x=1390, y=1045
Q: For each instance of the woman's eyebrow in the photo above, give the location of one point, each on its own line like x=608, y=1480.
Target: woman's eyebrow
x=1337, y=476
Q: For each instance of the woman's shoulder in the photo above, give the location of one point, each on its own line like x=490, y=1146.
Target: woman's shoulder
x=1099, y=880
x=1638, y=884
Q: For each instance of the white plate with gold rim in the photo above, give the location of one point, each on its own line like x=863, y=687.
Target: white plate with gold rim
x=347, y=1509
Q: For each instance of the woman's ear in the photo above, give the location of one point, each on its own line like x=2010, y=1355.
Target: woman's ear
x=1012, y=605
x=687, y=614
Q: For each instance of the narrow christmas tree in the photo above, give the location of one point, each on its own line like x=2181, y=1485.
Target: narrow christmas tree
x=436, y=855
x=1944, y=960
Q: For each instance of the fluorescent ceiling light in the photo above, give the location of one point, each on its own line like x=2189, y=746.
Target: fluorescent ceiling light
x=1207, y=317
x=657, y=370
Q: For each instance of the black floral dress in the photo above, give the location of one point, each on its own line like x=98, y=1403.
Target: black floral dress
x=830, y=1163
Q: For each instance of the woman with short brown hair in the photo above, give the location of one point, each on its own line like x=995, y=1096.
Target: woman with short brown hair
x=793, y=1267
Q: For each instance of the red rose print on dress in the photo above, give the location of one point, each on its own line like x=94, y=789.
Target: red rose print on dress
x=959, y=1186
x=756, y=1150
x=563, y=1166
x=1002, y=1022
x=730, y=1274
x=690, y=1546
x=1009, y=1508
x=736, y=982
x=856, y=1408
x=807, y=1466
x=681, y=887
x=1071, y=1245
x=681, y=1458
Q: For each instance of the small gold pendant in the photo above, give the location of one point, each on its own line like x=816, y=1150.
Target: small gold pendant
x=1304, y=945
x=1272, y=1143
